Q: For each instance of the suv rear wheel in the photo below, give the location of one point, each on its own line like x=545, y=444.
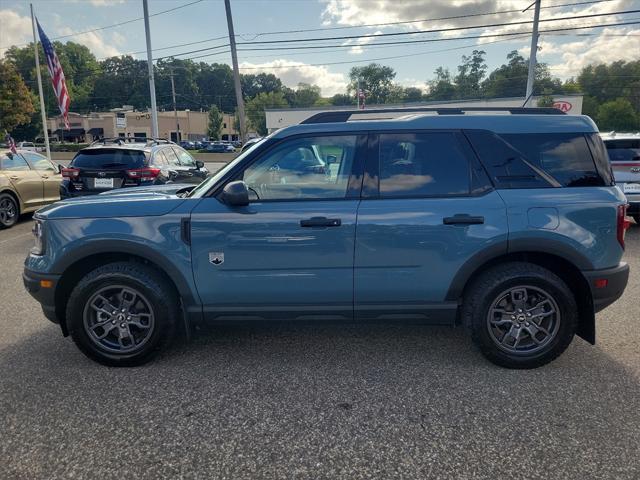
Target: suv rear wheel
x=122, y=314
x=521, y=315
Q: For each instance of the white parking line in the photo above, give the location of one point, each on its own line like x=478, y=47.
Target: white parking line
x=14, y=238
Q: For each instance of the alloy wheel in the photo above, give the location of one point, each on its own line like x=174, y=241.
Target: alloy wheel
x=523, y=319
x=8, y=210
x=119, y=319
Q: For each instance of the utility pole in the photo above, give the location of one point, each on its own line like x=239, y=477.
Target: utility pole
x=152, y=84
x=236, y=72
x=175, y=110
x=42, y=107
x=532, y=55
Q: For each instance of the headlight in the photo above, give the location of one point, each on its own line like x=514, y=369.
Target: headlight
x=38, y=237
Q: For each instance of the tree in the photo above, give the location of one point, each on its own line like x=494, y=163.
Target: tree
x=16, y=102
x=545, y=101
x=617, y=114
x=214, y=126
x=255, y=109
x=470, y=73
x=342, y=99
x=306, y=95
x=412, y=94
x=375, y=79
x=441, y=87
x=252, y=84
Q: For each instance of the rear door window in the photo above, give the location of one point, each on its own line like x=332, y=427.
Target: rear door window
x=564, y=156
x=171, y=157
x=184, y=158
x=423, y=164
x=109, y=158
x=38, y=162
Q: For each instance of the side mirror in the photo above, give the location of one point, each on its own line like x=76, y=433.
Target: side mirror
x=331, y=159
x=59, y=167
x=236, y=194
x=199, y=164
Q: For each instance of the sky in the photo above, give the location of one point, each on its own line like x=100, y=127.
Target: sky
x=261, y=20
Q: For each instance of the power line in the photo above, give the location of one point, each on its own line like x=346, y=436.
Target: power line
x=119, y=24
x=423, y=20
x=437, y=30
x=429, y=40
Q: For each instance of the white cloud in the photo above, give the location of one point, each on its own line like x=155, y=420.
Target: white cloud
x=358, y=42
x=600, y=49
x=98, y=3
x=95, y=41
x=291, y=73
x=14, y=29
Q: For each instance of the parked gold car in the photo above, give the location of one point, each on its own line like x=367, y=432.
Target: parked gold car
x=28, y=181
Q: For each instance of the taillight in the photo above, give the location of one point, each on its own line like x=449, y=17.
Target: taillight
x=70, y=172
x=146, y=173
x=622, y=223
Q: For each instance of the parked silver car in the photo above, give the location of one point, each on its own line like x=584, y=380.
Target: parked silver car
x=624, y=154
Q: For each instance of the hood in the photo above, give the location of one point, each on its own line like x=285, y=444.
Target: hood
x=138, y=204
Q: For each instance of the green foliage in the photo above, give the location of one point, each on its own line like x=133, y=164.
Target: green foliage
x=254, y=109
x=305, y=95
x=341, y=99
x=617, y=114
x=545, y=101
x=16, y=102
x=470, y=73
x=214, y=125
x=375, y=79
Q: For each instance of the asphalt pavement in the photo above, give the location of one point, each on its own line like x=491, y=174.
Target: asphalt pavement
x=315, y=401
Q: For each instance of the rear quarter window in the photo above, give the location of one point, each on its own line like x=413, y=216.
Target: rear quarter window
x=564, y=156
x=109, y=158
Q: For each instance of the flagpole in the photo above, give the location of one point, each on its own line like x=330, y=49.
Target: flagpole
x=42, y=110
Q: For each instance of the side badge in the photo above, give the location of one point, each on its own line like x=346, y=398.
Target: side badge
x=217, y=258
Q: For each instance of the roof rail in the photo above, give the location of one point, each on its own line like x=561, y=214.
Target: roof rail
x=344, y=115
x=123, y=140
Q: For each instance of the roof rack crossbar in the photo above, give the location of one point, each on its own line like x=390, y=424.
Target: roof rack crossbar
x=341, y=116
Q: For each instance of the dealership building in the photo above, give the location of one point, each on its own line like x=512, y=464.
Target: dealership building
x=127, y=122
x=283, y=117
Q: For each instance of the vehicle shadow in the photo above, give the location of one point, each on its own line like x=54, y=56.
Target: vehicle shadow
x=250, y=401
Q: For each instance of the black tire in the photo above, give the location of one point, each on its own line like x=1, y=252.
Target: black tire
x=156, y=295
x=9, y=211
x=491, y=286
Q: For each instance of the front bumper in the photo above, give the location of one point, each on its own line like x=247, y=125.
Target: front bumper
x=45, y=295
x=607, y=285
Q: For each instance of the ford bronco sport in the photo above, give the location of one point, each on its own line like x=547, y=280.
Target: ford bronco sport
x=505, y=222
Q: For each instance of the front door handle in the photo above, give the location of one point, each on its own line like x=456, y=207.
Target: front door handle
x=321, y=222
x=463, y=219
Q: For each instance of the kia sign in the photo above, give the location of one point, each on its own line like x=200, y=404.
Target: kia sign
x=563, y=106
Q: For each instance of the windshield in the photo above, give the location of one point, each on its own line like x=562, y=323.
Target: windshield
x=201, y=189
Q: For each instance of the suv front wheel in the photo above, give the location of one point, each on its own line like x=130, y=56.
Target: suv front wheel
x=122, y=314
x=521, y=315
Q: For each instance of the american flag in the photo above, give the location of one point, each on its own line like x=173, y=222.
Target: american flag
x=57, y=76
x=10, y=143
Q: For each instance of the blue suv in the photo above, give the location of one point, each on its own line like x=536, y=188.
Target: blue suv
x=507, y=223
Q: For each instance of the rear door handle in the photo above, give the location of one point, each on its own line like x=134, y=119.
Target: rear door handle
x=463, y=219
x=321, y=222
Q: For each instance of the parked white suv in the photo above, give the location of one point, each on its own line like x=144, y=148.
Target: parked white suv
x=624, y=154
